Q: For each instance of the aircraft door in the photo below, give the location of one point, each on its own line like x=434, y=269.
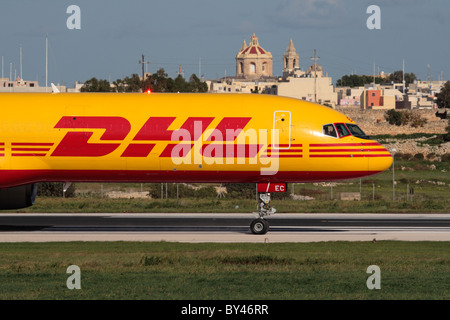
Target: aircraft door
x=281, y=134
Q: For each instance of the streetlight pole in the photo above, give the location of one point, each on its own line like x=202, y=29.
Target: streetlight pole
x=393, y=173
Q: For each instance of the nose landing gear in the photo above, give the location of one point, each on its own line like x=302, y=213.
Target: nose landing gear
x=260, y=225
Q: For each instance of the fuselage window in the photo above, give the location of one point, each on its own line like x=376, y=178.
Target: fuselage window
x=342, y=130
x=329, y=130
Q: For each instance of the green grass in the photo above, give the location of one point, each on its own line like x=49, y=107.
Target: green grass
x=432, y=139
x=430, y=181
x=52, y=205
x=131, y=270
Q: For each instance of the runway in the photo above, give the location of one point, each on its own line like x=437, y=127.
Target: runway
x=229, y=227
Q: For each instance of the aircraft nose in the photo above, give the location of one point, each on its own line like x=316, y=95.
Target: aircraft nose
x=380, y=161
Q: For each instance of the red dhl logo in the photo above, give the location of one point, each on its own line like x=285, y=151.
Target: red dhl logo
x=75, y=143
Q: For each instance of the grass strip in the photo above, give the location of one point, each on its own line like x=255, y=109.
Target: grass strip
x=210, y=271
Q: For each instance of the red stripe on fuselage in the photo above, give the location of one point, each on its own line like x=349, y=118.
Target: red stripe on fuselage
x=347, y=150
x=30, y=149
x=231, y=150
x=344, y=144
x=18, y=177
x=348, y=155
x=31, y=144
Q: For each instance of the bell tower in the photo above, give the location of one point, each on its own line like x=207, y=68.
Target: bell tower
x=290, y=58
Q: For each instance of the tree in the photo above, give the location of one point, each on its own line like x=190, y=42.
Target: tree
x=401, y=118
x=95, y=85
x=355, y=80
x=119, y=85
x=443, y=97
x=196, y=85
x=393, y=117
x=133, y=83
x=397, y=77
x=180, y=84
x=161, y=82
x=157, y=82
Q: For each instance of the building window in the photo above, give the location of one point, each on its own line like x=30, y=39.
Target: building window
x=252, y=67
x=373, y=94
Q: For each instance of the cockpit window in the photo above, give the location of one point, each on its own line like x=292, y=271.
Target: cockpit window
x=342, y=130
x=356, y=131
x=329, y=130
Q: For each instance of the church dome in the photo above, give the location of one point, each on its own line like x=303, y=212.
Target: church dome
x=311, y=69
x=253, y=48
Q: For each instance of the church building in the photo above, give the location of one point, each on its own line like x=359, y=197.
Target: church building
x=254, y=74
x=253, y=62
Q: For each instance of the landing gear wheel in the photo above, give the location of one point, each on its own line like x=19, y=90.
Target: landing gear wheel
x=259, y=226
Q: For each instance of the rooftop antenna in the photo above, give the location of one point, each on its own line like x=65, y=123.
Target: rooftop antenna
x=315, y=74
x=403, y=76
x=180, y=71
x=46, y=63
x=143, y=62
x=21, y=76
x=374, y=74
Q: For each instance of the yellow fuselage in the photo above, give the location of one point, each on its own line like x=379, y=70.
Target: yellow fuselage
x=177, y=138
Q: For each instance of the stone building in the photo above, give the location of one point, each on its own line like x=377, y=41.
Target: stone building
x=254, y=74
x=253, y=62
x=290, y=58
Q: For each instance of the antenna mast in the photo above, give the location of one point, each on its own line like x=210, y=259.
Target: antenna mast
x=374, y=74
x=21, y=76
x=315, y=75
x=143, y=62
x=403, y=76
x=46, y=63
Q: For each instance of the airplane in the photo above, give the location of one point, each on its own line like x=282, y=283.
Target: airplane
x=177, y=137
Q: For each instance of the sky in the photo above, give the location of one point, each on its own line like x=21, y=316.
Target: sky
x=205, y=36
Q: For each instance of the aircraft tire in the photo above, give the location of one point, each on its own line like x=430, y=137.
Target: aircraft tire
x=259, y=226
